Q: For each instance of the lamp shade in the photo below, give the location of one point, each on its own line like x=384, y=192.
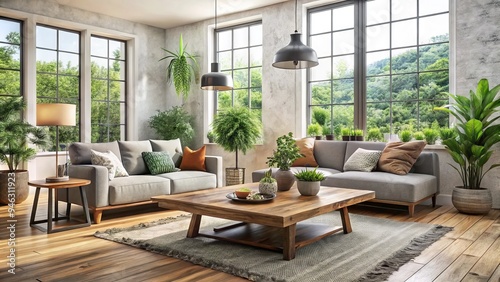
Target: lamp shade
x=295, y=55
x=55, y=114
x=216, y=80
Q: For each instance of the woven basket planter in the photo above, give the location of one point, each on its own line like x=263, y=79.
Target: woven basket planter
x=471, y=201
x=235, y=176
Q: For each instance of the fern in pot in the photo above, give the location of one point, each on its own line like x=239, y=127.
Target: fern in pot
x=309, y=181
x=478, y=131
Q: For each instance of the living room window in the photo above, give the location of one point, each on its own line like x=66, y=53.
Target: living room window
x=239, y=53
x=386, y=70
x=10, y=57
x=58, y=74
x=108, y=84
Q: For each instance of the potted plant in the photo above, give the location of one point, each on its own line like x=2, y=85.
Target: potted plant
x=431, y=135
x=405, y=135
x=374, y=134
x=172, y=124
x=237, y=129
x=268, y=185
x=315, y=129
x=346, y=134
x=447, y=133
x=477, y=133
x=358, y=133
x=283, y=157
x=419, y=135
x=180, y=70
x=309, y=181
x=211, y=136
x=14, y=137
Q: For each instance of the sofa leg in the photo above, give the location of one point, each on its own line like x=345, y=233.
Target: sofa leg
x=434, y=198
x=97, y=216
x=411, y=210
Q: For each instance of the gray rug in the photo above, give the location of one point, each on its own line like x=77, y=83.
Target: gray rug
x=376, y=248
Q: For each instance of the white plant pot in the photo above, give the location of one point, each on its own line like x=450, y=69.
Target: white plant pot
x=308, y=188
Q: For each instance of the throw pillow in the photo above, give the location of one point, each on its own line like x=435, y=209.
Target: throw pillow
x=159, y=162
x=104, y=159
x=306, y=147
x=193, y=160
x=120, y=169
x=399, y=157
x=362, y=160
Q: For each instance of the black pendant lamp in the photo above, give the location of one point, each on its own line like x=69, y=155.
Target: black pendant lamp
x=295, y=55
x=215, y=80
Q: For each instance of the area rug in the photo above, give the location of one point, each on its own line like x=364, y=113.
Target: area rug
x=376, y=248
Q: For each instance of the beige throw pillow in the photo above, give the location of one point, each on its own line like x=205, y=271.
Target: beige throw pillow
x=362, y=160
x=306, y=147
x=399, y=157
x=110, y=161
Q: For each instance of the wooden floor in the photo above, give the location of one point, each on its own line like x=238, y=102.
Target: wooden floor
x=471, y=252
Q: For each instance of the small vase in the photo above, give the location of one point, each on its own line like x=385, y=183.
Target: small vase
x=308, y=188
x=268, y=188
x=285, y=179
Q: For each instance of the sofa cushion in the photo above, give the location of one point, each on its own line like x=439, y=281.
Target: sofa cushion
x=137, y=188
x=362, y=160
x=330, y=154
x=159, y=162
x=110, y=161
x=79, y=153
x=193, y=159
x=411, y=187
x=352, y=146
x=306, y=147
x=399, y=157
x=173, y=147
x=190, y=180
x=131, y=152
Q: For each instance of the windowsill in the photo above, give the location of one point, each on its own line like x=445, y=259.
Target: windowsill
x=52, y=153
x=435, y=147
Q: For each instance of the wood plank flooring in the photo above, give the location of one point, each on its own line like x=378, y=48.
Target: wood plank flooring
x=471, y=252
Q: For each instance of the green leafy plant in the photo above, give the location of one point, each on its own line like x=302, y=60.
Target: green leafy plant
x=431, y=135
x=15, y=134
x=314, y=129
x=447, y=133
x=237, y=129
x=374, y=134
x=405, y=135
x=211, y=136
x=358, y=132
x=309, y=175
x=477, y=132
x=285, y=154
x=180, y=70
x=346, y=132
x=172, y=124
x=268, y=177
x=419, y=135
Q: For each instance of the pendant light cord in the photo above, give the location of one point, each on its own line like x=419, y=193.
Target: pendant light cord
x=296, y=16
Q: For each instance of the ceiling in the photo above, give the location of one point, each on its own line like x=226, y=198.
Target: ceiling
x=166, y=13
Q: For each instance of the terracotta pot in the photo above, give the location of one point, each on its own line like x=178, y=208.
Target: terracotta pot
x=285, y=179
x=472, y=201
x=308, y=188
x=14, y=183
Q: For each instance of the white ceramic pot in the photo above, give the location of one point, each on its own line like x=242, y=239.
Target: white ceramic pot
x=308, y=188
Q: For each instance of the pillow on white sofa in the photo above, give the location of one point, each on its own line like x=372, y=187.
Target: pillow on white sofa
x=110, y=161
x=362, y=160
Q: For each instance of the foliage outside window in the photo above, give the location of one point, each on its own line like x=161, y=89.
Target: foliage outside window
x=405, y=47
x=108, y=91
x=10, y=57
x=58, y=75
x=239, y=53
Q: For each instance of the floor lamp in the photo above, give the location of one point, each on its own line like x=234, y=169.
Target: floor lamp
x=55, y=114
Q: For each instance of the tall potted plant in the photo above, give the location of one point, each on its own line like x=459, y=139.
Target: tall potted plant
x=181, y=69
x=14, y=137
x=237, y=129
x=477, y=133
x=283, y=157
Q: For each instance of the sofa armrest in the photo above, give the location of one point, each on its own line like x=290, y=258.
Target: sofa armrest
x=428, y=163
x=213, y=164
x=97, y=191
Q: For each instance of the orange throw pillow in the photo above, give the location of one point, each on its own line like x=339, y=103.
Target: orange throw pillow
x=399, y=157
x=306, y=146
x=193, y=160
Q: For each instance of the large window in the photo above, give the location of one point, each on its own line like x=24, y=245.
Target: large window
x=386, y=70
x=239, y=53
x=58, y=74
x=10, y=57
x=108, y=89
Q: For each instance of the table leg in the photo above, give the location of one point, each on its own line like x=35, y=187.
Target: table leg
x=346, y=222
x=68, y=205
x=56, y=205
x=84, y=203
x=35, y=204
x=289, y=242
x=194, y=226
x=49, y=212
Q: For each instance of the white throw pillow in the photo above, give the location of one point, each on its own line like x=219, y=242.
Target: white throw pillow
x=362, y=160
x=110, y=161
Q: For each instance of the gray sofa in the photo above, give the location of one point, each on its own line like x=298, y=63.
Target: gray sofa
x=420, y=184
x=140, y=186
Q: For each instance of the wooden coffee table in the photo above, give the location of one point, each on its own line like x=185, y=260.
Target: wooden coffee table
x=274, y=225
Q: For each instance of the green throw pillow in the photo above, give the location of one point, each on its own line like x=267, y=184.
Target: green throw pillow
x=159, y=162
